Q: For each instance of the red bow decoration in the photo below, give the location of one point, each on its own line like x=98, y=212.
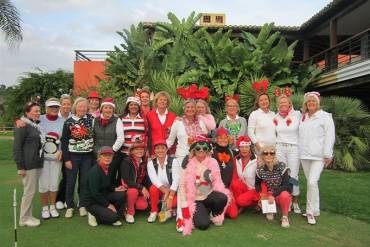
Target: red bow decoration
x=275, y=121
x=287, y=91
x=288, y=122
x=79, y=132
x=224, y=157
x=261, y=87
x=277, y=92
x=193, y=92
x=234, y=97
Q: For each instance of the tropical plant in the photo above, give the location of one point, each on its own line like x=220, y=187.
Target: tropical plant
x=10, y=22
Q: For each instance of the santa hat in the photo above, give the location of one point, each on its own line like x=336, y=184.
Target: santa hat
x=53, y=136
x=107, y=101
x=222, y=132
x=133, y=99
x=94, y=94
x=243, y=141
x=316, y=95
x=200, y=139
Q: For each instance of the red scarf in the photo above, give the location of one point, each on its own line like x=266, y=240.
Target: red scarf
x=104, y=122
x=104, y=168
x=51, y=117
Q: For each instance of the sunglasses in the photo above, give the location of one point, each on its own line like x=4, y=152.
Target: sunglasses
x=202, y=147
x=265, y=153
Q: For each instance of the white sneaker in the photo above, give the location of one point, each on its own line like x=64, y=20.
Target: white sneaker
x=83, y=211
x=296, y=208
x=285, y=222
x=53, y=212
x=130, y=219
x=270, y=216
x=69, y=213
x=59, y=205
x=117, y=223
x=30, y=222
x=180, y=225
x=152, y=217
x=45, y=214
x=91, y=220
x=314, y=214
x=311, y=219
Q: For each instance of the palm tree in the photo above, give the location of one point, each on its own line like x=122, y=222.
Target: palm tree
x=10, y=22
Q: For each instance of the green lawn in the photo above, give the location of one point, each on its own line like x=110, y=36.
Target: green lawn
x=345, y=221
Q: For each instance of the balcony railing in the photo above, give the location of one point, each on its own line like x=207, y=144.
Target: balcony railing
x=350, y=51
x=91, y=55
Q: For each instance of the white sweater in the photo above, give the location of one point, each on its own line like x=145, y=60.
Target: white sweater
x=287, y=128
x=248, y=174
x=160, y=178
x=316, y=136
x=261, y=127
x=178, y=131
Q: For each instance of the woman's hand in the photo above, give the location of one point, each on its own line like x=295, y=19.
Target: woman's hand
x=327, y=162
x=58, y=155
x=271, y=199
x=120, y=188
x=258, y=147
x=112, y=208
x=22, y=172
x=68, y=165
x=169, y=201
x=145, y=193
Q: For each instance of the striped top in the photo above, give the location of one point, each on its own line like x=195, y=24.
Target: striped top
x=133, y=129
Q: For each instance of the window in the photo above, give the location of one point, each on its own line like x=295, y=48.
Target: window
x=207, y=19
x=219, y=19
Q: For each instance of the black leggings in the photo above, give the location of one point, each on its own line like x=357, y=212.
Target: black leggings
x=114, y=168
x=106, y=216
x=214, y=203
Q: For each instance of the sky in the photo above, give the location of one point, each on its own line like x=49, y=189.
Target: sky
x=54, y=29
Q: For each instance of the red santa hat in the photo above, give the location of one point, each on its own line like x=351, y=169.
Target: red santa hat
x=53, y=135
x=243, y=141
x=160, y=142
x=107, y=101
x=316, y=95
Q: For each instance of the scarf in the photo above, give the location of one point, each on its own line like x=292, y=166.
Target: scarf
x=51, y=117
x=192, y=129
x=104, y=168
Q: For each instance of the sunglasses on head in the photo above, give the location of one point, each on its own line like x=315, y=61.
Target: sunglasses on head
x=268, y=153
x=202, y=147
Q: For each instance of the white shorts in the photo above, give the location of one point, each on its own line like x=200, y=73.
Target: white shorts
x=49, y=176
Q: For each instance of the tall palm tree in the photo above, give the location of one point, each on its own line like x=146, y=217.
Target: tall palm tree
x=10, y=22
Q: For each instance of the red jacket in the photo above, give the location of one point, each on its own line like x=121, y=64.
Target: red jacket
x=156, y=129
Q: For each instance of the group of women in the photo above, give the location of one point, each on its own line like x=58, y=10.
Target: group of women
x=182, y=166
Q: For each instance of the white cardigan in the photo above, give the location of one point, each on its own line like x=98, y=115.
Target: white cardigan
x=261, y=127
x=178, y=131
x=316, y=136
x=287, y=133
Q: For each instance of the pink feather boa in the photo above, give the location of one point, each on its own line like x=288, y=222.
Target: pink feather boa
x=217, y=185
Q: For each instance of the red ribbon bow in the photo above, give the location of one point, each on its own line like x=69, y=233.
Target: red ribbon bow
x=261, y=87
x=224, y=157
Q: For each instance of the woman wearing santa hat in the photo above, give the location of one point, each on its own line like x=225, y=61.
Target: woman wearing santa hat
x=244, y=175
x=133, y=124
x=108, y=131
x=94, y=103
x=203, y=195
x=163, y=172
x=135, y=178
x=316, y=142
x=235, y=124
x=52, y=125
x=287, y=123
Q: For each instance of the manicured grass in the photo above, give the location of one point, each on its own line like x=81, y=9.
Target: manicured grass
x=6, y=133
x=341, y=193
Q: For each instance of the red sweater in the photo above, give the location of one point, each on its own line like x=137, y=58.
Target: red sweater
x=157, y=130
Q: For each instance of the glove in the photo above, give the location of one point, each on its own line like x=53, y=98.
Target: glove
x=185, y=213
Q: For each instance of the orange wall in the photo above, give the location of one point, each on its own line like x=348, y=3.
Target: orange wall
x=85, y=75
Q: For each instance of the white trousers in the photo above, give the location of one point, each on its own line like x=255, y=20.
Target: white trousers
x=29, y=182
x=312, y=170
x=289, y=154
x=49, y=176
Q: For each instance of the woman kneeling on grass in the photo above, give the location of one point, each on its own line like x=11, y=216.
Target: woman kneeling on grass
x=164, y=174
x=134, y=176
x=275, y=175
x=202, y=189
x=103, y=201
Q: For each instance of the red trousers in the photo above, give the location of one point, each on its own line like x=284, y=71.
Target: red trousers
x=283, y=201
x=244, y=196
x=155, y=194
x=134, y=200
